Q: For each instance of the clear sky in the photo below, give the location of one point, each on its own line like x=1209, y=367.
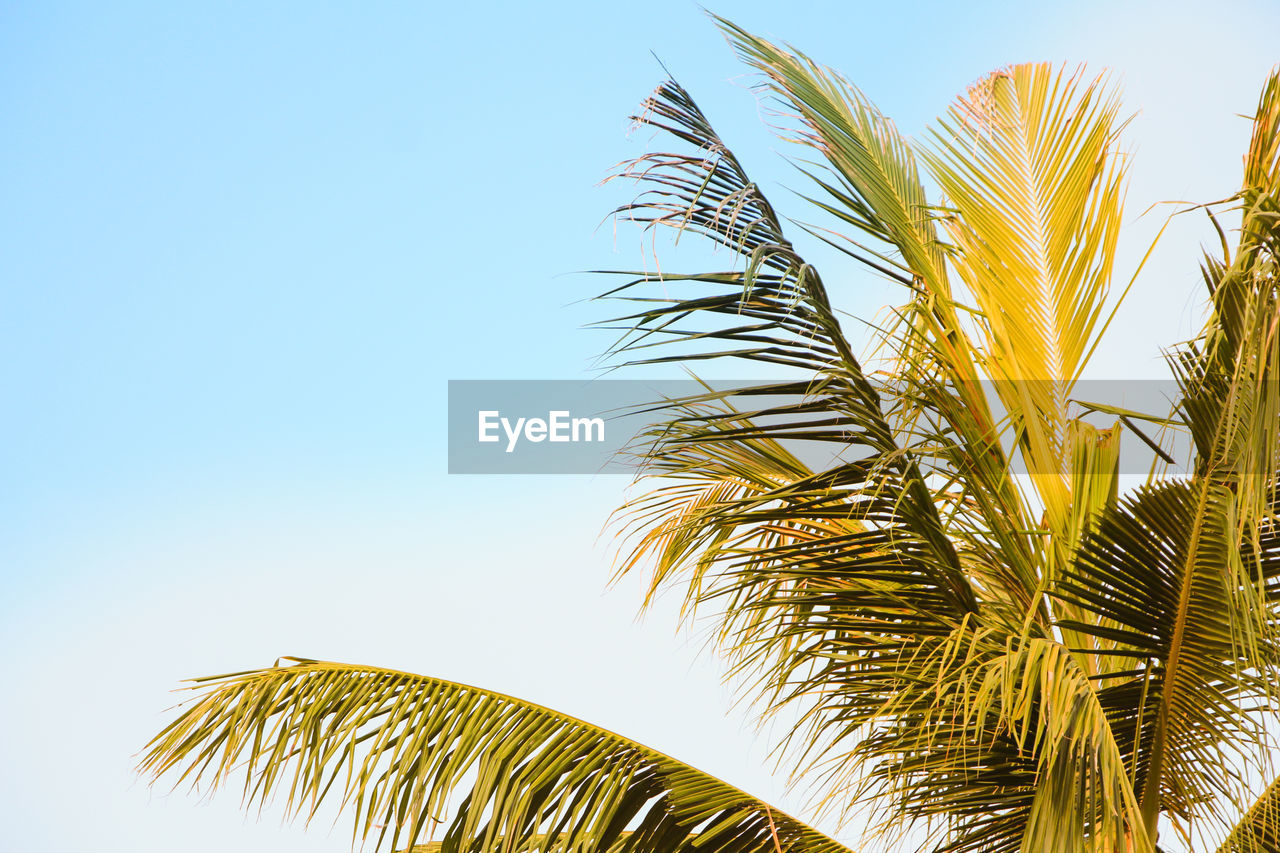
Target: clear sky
x=243, y=247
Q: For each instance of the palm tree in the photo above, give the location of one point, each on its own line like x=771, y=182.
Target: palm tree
x=1004, y=662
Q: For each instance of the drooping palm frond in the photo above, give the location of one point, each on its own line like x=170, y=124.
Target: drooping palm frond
x=831, y=402
x=874, y=182
x=395, y=747
x=870, y=181
x=675, y=526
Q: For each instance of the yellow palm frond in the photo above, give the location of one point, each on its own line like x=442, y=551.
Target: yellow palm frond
x=1028, y=160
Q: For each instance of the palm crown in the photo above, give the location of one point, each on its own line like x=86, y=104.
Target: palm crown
x=1031, y=663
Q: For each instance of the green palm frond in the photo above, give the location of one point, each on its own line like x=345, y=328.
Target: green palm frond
x=1231, y=372
x=833, y=402
x=875, y=185
x=393, y=747
x=871, y=181
x=1223, y=643
x=1173, y=610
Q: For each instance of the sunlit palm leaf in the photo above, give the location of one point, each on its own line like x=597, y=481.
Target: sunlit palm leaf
x=708, y=191
x=875, y=185
x=1029, y=162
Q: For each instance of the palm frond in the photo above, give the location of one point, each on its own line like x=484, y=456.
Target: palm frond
x=1220, y=648
x=875, y=185
x=1004, y=744
x=1095, y=473
x=1028, y=161
x=1231, y=372
x=1182, y=617
x=833, y=401
x=871, y=181
x=394, y=747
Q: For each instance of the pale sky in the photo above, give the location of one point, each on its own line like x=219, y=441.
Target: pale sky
x=243, y=250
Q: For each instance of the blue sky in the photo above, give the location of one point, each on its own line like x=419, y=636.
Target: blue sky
x=243, y=248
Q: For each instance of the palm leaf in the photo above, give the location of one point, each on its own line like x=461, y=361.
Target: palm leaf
x=871, y=182
x=875, y=185
x=1028, y=161
x=1223, y=647
x=1181, y=611
x=793, y=324
x=393, y=747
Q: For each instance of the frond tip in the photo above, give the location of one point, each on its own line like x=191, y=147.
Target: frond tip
x=396, y=746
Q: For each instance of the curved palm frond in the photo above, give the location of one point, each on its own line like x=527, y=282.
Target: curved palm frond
x=872, y=183
x=394, y=747
x=833, y=403
x=1231, y=372
x=1224, y=640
